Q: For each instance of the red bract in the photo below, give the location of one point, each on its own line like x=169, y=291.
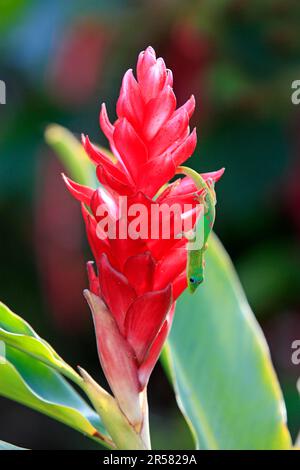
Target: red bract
x=132, y=296
x=150, y=138
x=139, y=281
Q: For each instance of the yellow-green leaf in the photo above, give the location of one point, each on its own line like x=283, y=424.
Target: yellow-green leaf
x=34, y=384
x=16, y=332
x=221, y=368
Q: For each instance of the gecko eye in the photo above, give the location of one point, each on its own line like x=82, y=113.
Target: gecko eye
x=192, y=280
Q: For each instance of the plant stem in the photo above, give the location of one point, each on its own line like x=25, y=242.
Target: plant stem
x=124, y=435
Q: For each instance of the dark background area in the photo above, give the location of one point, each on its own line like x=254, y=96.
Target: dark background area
x=60, y=60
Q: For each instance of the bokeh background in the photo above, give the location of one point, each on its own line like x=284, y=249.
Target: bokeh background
x=60, y=60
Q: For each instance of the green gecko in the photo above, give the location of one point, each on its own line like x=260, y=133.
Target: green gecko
x=204, y=226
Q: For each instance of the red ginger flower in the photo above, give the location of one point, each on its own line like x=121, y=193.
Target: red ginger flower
x=132, y=298
x=150, y=138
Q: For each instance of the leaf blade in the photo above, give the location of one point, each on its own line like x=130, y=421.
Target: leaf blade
x=34, y=384
x=7, y=446
x=16, y=332
x=219, y=361
x=70, y=152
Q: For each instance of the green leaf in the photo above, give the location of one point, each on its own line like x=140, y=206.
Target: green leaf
x=219, y=361
x=71, y=154
x=7, y=446
x=34, y=384
x=16, y=332
x=28, y=369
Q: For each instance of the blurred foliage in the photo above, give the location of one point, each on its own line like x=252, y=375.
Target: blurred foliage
x=60, y=60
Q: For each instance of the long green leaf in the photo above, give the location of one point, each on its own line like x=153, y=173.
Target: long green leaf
x=71, y=153
x=34, y=384
x=220, y=364
x=7, y=446
x=16, y=332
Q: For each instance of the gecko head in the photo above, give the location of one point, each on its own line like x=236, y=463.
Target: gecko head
x=194, y=282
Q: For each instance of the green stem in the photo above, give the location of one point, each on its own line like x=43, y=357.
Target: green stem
x=123, y=434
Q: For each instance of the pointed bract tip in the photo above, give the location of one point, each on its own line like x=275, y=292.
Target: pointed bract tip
x=97, y=391
x=88, y=379
x=92, y=277
x=68, y=182
x=87, y=295
x=213, y=175
x=83, y=373
x=151, y=51
x=219, y=174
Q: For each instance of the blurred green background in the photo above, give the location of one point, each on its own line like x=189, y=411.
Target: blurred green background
x=59, y=61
